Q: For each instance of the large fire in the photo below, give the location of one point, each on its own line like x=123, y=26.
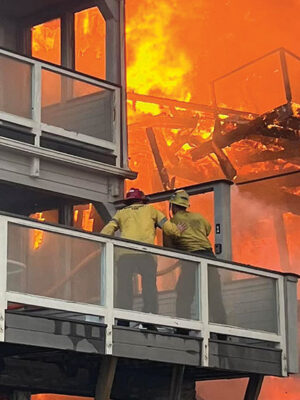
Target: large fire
x=174, y=49
x=147, y=71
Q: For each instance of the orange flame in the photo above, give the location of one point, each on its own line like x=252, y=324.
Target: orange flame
x=156, y=66
x=87, y=221
x=38, y=235
x=46, y=41
x=174, y=50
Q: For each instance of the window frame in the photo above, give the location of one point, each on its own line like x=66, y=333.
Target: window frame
x=66, y=14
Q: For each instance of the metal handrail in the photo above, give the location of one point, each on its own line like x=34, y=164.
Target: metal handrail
x=109, y=313
x=155, y=249
x=60, y=69
x=38, y=126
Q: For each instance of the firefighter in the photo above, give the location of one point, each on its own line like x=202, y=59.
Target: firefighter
x=138, y=221
x=195, y=240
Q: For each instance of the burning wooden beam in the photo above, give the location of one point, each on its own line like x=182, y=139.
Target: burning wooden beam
x=163, y=173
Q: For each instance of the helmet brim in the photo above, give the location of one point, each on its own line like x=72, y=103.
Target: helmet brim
x=177, y=203
x=135, y=200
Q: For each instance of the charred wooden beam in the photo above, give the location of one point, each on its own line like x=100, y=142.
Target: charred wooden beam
x=166, y=121
x=225, y=164
x=183, y=104
x=163, y=173
x=274, y=125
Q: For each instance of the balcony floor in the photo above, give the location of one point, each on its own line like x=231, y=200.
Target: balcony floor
x=47, y=353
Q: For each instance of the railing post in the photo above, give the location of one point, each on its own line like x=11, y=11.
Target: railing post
x=36, y=114
x=222, y=212
x=123, y=97
x=108, y=282
x=282, y=325
x=3, y=274
x=203, y=312
x=213, y=95
x=291, y=313
x=285, y=74
x=2, y=95
x=116, y=125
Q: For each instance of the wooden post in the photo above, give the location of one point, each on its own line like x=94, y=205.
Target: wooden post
x=282, y=243
x=254, y=387
x=176, y=382
x=105, y=378
x=18, y=395
x=67, y=40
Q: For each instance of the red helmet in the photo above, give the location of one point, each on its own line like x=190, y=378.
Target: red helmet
x=135, y=194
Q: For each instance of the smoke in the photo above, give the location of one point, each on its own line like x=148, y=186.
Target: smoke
x=264, y=230
x=254, y=229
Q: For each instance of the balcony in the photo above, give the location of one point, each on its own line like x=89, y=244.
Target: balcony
x=59, y=294
x=58, y=113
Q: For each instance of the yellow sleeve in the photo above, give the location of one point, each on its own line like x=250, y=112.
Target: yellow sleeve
x=169, y=228
x=112, y=226
x=167, y=241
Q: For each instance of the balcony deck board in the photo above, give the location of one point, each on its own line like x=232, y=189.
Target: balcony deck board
x=55, y=333
x=131, y=343
x=244, y=358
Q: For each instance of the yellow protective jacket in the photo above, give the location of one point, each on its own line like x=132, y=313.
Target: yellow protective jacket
x=195, y=237
x=139, y=222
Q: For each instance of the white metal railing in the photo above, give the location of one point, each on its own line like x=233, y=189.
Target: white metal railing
x=49, y=99
x=69, y=270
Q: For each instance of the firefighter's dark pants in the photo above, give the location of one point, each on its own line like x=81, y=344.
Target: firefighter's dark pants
x=186, y=288
x=127, y=266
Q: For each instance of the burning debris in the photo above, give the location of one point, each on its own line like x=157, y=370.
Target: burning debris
x=179, y=142
x=248, y=139
x=230, y=143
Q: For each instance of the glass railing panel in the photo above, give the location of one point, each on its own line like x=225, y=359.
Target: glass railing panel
x=15, y=87
x=156, y=284
x=77, y=106
x=293, y=66
x=54, y=265
x=242, y=300
x=256, y=88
